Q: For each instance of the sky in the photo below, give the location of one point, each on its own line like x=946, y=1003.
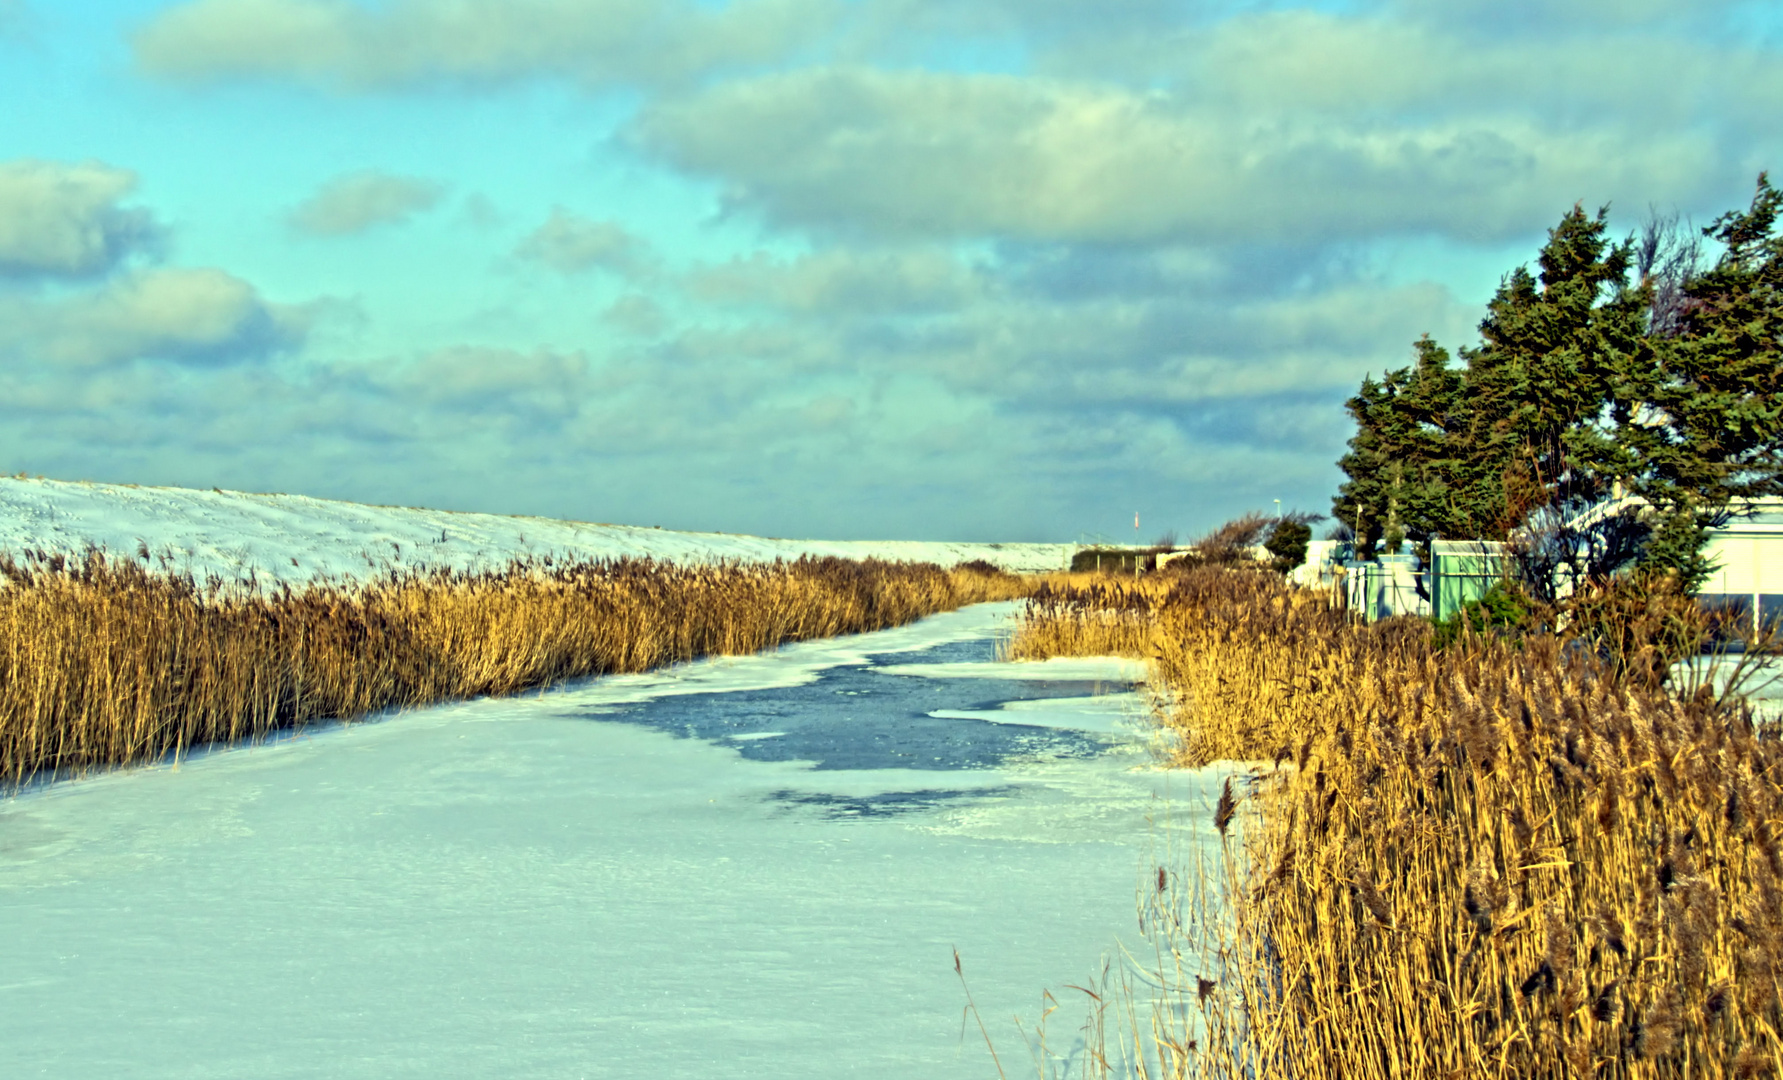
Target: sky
x=852, y=269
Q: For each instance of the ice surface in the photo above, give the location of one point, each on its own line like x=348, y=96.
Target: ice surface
x=293, y=538
x=1109, y=669
x=559, y=885
x=1109, y=714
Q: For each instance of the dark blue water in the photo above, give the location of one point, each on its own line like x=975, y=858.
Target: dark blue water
x=859, y=717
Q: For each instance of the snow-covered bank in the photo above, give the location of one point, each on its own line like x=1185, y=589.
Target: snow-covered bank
x=294, y=538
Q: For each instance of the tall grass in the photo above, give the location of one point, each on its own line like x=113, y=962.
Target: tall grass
x=1090, y=615
x=1499, y=859
x=103, y=662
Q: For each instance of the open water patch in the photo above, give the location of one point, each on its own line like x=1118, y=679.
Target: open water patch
x=880, y=715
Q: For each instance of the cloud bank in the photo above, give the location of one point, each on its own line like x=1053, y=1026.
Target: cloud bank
x=943, y=155
x=340, y=44
x=76, y=297
x=991, y=268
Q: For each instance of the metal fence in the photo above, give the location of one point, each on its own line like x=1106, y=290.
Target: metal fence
x=1462, y=570
x=1384, y=587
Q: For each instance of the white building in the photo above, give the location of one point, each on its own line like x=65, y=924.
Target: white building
x=1324, y=558
x=1747, y=554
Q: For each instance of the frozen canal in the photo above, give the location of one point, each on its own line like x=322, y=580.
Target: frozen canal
x=753, y=867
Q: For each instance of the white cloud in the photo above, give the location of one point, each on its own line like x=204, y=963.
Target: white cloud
x=1161, y=333
x=868, y=410
x=202, y=317
x=491, y=380
x=1138, y=241
x=843, y=281
x=946, y=155
x=570, y=244
x=1394, y=69
x=342, y=44
x=64, y=220
x=364, y=200
x=1179, y=355
x=637, y=315
x=1593, y=16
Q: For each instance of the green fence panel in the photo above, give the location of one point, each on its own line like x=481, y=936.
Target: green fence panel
x=1462, y=570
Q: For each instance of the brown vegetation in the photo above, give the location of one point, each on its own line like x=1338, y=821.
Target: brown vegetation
x=104, y=663
x=1090, y=615
x=1503, y=858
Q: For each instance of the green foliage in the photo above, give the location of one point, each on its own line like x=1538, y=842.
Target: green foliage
x=1468, y=453
x=1583, y=388
x=1541, y=391
x=1287, y=544
x=1711, y=432
x=1397, y=462
x=1675, y=549
x=1110, y=560
x=1503, y=611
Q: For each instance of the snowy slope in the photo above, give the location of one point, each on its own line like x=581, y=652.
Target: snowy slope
x=294, y=538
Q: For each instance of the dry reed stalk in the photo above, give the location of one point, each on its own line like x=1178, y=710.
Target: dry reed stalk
x=1491, y=860
x=1090, y=615
x=104, y=663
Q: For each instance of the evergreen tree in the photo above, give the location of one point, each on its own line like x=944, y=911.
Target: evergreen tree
x=1706, y=421
x=1397, y=461
x=1541, y=430
x=1581, y=388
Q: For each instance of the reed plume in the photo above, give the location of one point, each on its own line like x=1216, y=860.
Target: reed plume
x=1490, y=858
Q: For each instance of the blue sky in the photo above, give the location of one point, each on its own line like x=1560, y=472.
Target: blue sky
x=996, y=270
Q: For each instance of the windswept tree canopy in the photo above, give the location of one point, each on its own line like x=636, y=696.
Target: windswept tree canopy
x=1616, y=367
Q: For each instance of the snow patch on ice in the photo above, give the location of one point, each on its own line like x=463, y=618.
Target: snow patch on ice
x=1107, y=714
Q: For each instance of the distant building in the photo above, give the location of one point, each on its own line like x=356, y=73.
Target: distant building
x=1385, y=586
x=1747, y=554
x=1323, y=565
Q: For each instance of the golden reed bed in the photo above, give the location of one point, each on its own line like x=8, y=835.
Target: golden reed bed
x=103, y=662
x=1489, y=860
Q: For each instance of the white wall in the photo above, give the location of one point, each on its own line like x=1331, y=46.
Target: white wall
x=1749, y=554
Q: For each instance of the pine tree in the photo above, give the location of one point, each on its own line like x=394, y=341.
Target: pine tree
x=1586, y=384
x=1708, y=425
x=1397, y=462
x=1529, y=433
x=1540, y=388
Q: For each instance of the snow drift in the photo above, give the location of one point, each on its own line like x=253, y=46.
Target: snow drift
x=295, y=539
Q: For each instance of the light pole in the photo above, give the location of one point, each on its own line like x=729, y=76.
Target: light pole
x=1135, y=545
